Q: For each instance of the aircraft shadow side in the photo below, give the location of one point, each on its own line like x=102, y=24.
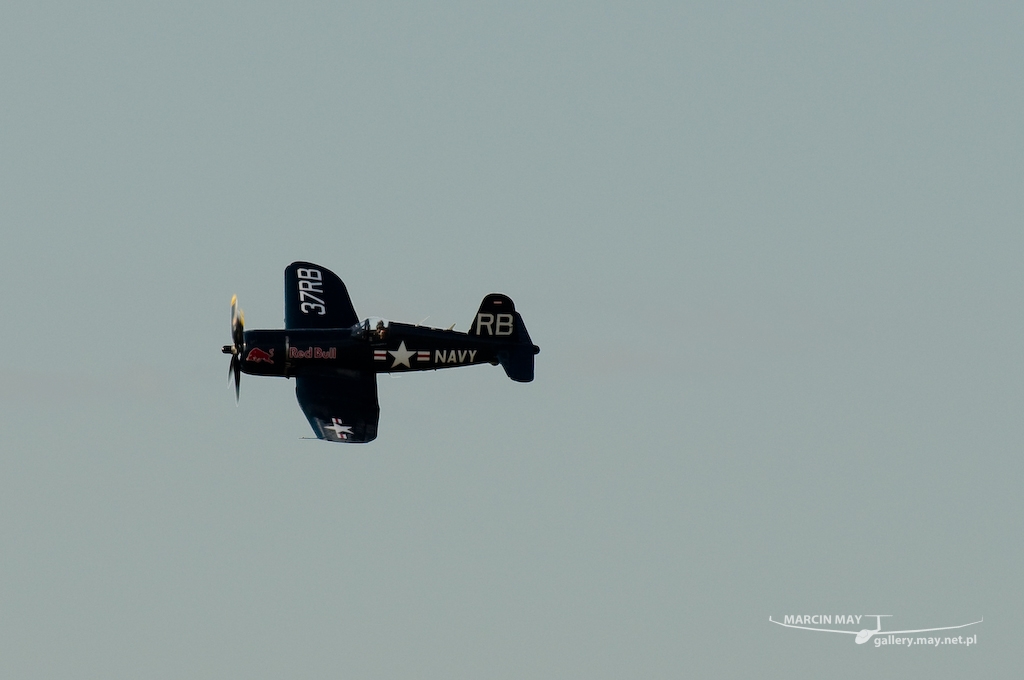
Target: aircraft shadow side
x=335, y=358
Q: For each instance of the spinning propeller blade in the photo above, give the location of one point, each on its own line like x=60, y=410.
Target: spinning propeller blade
x=236, y=347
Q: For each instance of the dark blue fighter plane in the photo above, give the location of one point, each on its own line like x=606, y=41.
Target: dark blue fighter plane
x=335, y=358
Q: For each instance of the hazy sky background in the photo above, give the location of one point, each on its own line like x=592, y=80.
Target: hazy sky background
x=771, y=254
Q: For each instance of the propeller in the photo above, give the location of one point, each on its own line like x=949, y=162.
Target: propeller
x=237, y=345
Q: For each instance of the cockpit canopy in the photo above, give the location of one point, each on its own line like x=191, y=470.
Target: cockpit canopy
x=372, y=328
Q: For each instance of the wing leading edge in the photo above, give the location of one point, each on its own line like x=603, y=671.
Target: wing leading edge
x=340, y=408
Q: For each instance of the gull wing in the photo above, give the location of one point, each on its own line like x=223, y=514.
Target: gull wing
x=340, y=408
x=314, y=297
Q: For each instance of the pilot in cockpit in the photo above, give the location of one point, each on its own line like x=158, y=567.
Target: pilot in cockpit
x=381, y=331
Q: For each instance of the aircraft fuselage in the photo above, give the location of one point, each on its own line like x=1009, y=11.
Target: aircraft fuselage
x=399, y=348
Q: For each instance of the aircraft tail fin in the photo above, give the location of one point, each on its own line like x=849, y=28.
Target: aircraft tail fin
x=497, y=318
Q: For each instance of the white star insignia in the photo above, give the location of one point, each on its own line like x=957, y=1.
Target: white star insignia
x=341, y=430
x=401, y=356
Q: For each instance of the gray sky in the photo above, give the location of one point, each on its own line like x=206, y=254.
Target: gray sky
x=770, y=253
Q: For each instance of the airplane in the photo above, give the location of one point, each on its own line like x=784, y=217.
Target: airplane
x=335, y=358
x=866, y=634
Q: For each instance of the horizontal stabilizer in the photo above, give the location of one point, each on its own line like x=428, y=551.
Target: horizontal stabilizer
x=517, y=362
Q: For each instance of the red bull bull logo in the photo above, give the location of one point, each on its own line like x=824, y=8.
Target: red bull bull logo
x=256, y=355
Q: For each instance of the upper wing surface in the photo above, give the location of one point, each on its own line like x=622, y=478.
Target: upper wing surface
x=340, y=408
x=314, y=297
